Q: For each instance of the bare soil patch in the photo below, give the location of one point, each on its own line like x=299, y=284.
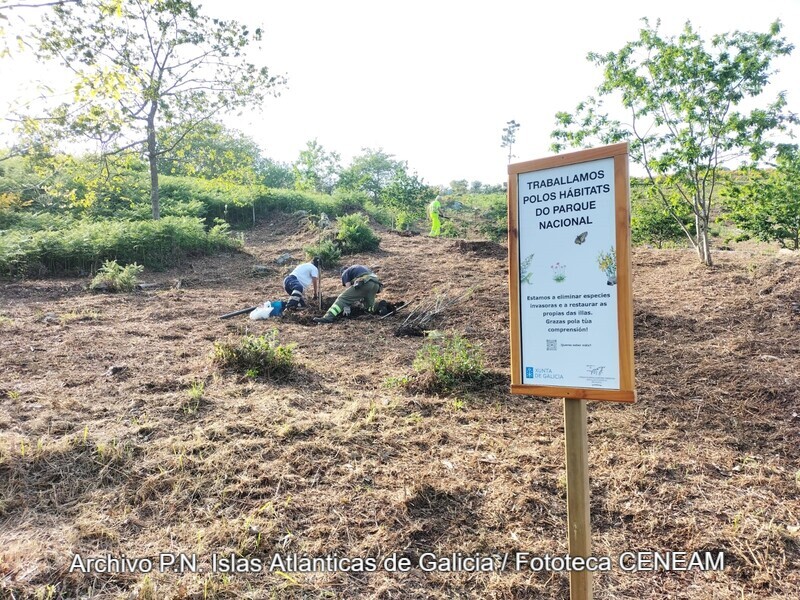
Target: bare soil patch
x=102, y=452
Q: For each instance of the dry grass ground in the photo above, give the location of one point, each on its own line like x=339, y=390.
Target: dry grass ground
x=119, y=436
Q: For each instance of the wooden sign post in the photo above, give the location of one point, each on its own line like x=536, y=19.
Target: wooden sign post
x=571, y=302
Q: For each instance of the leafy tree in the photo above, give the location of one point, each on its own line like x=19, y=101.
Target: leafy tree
x=459, y=186
x=387, y=182
x=141, y=65
x=210, y=151
x=651, y=222
x=509, y=137
x=12, y=19
x=371, y=172
x=9, y=7
x=316, y=169
x=768, y=203
x=406, y=196
x=476, y=187
x=682, y=97
x=275, y=174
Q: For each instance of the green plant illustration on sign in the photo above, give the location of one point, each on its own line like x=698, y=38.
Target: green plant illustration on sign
x=559, y=272
x=607, y=261
x=526, y=276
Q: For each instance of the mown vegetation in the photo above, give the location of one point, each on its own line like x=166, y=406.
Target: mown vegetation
x=145, y=424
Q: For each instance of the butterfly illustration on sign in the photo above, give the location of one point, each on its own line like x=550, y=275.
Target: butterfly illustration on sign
x=581, y=238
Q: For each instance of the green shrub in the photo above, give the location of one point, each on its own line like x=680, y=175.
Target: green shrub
x=493, y=220
x=327, y=252
x=450, y=229
x=348, y=201
x=239, y=204
x=255, y=356
x=404, y=221
x=34, y=221
x=113, y=277
x=441, y=367
x=355, y=235
x=651, y=221
x=380, y=214
x=195, y=395
x=85, y=245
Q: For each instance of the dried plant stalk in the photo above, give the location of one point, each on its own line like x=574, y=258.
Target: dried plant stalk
x=421, y=317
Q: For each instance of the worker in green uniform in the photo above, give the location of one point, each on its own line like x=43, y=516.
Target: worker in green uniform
x=361, y=284
x=433, y=214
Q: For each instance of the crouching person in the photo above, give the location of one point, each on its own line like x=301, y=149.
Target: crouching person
x=362, y=285
x=298, y=281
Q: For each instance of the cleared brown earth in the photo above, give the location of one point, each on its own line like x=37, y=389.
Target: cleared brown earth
x=98, y=460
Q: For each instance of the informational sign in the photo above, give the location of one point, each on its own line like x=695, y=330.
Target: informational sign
x=569, y=258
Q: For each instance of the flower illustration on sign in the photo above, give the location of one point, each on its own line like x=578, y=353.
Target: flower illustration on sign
x=559, y=272
x=607, y=261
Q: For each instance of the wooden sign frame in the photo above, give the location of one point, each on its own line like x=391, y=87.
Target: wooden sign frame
x=621, y=218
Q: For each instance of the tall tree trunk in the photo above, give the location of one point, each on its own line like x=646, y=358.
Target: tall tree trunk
x=151, y=157
x=703, y=247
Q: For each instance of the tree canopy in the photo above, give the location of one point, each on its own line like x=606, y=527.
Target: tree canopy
x=316, y=169
x=767, y=204
x=142, y=65
x=210, y=151
x=685, y=101
x=371, y=172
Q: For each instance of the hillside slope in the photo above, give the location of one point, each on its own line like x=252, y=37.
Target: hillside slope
x=102, y=452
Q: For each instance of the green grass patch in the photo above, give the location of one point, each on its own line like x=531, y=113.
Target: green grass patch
x=256, y=356
x=443, y=366
x=195, y=395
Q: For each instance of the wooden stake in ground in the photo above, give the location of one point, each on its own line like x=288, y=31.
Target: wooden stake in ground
x=600, y=367
x=319, y=287
x=579, y=532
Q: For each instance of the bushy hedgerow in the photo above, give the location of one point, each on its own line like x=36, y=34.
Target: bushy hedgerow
x=240, y=204
x=84, y=246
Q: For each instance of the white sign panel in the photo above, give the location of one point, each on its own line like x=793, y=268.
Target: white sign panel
x=568, y=276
